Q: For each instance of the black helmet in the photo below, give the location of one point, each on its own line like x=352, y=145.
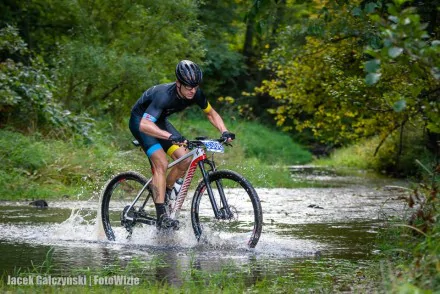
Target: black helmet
x=189, y=73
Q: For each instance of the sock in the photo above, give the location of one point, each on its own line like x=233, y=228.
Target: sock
x=160, y=209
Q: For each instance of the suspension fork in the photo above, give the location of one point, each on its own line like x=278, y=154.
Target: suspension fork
x=219, y=214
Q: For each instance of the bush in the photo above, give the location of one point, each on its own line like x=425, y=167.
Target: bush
x=395, y=156
x=253, y=139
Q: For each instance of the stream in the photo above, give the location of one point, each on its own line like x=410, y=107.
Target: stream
x=337, y=225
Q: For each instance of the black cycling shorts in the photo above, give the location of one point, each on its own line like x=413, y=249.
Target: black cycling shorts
x=149, y=143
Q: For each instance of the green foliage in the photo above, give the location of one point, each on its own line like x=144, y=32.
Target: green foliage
x=35, y=166
x=271, y=147
x=319, y=71
x=22, y=152
x=412, y=250
x=102, y=55
x=254, y=140
x=397, y=156
x=38, y=167
x=120, y=48
x=406, y=42
x=27, y=91
x=223, y=31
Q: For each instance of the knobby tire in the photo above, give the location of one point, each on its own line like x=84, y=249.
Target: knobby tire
x=242, y=199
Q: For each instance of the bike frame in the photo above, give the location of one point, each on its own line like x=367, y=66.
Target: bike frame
x=199, y=157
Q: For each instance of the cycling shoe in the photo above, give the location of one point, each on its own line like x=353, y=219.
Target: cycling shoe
x=166, y=223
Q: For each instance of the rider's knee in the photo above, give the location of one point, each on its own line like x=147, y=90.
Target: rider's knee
x=160, y=166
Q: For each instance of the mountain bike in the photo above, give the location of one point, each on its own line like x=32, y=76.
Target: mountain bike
x=224, y=207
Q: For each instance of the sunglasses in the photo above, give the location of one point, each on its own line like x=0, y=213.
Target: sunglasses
x=189, y=88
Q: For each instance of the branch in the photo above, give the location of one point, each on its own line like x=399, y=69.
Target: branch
x=383, y=140
x=106, y=94
x=401, y=125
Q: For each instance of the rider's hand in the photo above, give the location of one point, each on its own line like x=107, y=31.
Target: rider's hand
x=228, y=136
x=177, y=139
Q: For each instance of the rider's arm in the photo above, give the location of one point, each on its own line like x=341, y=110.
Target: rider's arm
x=216, y=120
x=150, y=128
x=148, y=122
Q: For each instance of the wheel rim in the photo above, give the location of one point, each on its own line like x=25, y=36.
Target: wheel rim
x=118, y=196
x=242, y=229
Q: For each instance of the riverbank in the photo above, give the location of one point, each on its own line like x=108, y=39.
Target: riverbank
x=39, y=167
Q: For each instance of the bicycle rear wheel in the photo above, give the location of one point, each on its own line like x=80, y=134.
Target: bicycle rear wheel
x=117, y=196
x=241, y=218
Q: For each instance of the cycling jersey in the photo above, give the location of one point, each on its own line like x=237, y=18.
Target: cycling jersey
x=156, y=104
x=160, y=101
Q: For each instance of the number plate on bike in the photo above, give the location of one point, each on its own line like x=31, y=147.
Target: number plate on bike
x=213, y=146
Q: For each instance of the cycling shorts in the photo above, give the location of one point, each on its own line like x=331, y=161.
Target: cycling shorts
x=149, y=143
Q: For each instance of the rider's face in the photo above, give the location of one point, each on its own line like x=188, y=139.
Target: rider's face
x=185, y=91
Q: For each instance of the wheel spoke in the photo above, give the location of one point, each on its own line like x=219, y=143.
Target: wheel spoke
x=240, y=216
x=119, y=193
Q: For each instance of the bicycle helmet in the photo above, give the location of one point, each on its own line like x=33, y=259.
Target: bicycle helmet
x=188, y=73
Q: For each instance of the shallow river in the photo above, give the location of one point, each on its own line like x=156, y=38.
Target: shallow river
x=300, y=226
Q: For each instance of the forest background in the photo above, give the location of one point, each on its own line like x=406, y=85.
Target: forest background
x=329, y=74
x=294, y=79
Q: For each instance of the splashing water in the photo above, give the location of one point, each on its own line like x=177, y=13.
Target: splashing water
x=298, y=223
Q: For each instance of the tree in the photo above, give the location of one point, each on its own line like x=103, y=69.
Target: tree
x=319, y=81
x=103, y=54
x=26, y=91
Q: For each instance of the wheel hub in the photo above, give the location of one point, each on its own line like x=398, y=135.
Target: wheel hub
x=126, y=223
x=232, y=215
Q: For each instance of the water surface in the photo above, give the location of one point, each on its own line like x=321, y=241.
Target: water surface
x=300, y=227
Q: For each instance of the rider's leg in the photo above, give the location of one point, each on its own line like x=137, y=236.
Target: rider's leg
x=178, y=171
x=159, y=165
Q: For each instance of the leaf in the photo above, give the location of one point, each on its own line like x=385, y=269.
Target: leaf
x=372, y=78
x=394, y=52
x=372, y=66
x=387, y=42
x=393, y=18
x=392, y=10
x=400, y=2
x=356, y=11
x=370, y=7
x=399, y=105
x=435, y=71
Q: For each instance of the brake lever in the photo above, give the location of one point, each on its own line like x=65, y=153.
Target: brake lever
x=224, y=141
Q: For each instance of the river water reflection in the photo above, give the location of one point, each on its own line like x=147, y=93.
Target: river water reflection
x=300, y=226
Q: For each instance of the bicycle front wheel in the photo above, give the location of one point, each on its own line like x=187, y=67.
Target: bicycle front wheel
x=239, y=216
x=117, y=196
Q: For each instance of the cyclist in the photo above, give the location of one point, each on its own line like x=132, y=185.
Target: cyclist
x=150, y=126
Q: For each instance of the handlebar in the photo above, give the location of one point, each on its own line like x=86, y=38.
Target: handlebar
x=191, y=144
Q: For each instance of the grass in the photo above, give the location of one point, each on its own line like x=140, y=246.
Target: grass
x=34, y=166
x=254, y=140
x=386, y=159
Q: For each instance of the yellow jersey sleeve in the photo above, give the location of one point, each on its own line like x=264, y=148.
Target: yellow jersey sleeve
x=207, y=109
